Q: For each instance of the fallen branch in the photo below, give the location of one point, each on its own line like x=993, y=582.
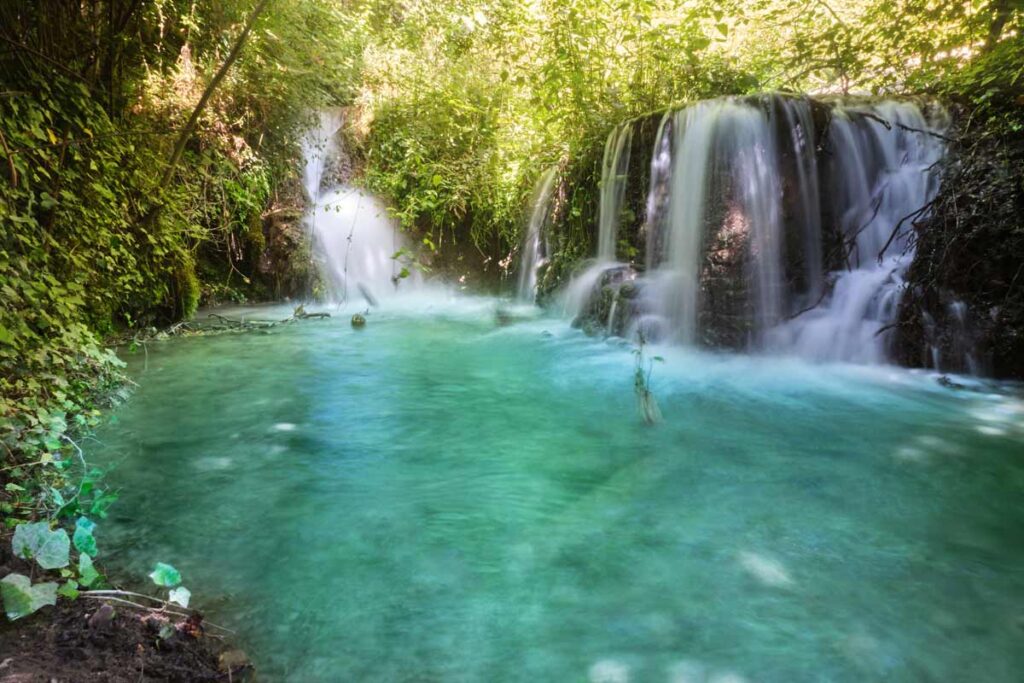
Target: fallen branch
x=111, y=596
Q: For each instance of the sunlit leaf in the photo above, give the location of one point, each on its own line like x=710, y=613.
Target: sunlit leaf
x=50, y=548
x=180, y=596
x=21, y=598
x=165, y=575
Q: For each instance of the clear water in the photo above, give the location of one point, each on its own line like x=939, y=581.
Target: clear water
x=437, y=498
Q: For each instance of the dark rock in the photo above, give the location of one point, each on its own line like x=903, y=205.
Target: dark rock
x=101, y=619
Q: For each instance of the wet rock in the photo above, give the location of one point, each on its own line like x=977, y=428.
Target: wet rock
x=613, y=304
x=358, y=321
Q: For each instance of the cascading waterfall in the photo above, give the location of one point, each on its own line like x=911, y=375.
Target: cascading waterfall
x=535, y=252
x=776, y=223
x=883, y=175
x=353, y=236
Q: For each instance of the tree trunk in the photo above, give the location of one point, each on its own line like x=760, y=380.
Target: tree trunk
x=1001, y=10
x=193, y=121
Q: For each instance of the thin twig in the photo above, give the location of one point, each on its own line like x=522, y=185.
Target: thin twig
x=895, y=231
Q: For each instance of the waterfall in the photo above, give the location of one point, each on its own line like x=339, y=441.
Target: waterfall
x=534, y=252
x=883, y=176
x=774, y=223
x=614, y=178
x=353, y=237
x=613, y=184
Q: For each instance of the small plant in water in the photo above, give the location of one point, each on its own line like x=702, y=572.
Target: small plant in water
x=646, y=402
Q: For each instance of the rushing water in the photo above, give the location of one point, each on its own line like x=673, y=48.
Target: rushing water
x=440, y=498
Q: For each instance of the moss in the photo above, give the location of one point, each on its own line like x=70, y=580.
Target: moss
x=187, y=289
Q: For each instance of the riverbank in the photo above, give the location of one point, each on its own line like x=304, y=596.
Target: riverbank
x=97, y=640
x=88, y=629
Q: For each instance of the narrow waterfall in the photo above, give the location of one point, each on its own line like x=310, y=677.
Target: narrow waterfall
x=613, y=184
x=675, y=267
x=353, y=237
x=535, y=252
x=774, y=223
x=614, y=177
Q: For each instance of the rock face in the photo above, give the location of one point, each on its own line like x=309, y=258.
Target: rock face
x=284, y=263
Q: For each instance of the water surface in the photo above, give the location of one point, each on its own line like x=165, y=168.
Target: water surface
x=439, y=498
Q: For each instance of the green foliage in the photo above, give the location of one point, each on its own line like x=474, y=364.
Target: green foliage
x=22, y=598
x=464, y=102
x=50, y=548
x=646, y=402
x=83, y=538
x=87, y=573
x=165, y=575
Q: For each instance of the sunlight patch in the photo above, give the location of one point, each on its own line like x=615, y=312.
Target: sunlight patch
x=764, y=569
x=608, y=671
x=991, y=431
x=911, y=454
x=213, y=463
x=687, y=671
x=285, y=427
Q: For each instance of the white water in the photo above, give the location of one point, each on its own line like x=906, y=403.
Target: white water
x=755, y=212
x=614, y=179
x=882, y=177
x=614, y=176
x=353, y=237
x=676, y=273
x=535, y=251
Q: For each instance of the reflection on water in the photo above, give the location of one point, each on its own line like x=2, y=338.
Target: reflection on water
x=437, y=498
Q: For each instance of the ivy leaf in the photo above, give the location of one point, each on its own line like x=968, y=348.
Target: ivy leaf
x=165, y=575
x=86, y=571
x=180, y=596
x=69, y=589
x=83, y=539
x=50, y=548
x=21, y=598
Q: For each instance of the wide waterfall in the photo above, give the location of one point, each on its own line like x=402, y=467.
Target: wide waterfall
x=353, y=237
x=535, y=250
x=774, y=223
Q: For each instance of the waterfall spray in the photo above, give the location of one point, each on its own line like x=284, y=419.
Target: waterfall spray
x=353, y=238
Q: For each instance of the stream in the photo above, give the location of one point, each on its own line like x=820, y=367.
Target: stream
x=437, y=497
